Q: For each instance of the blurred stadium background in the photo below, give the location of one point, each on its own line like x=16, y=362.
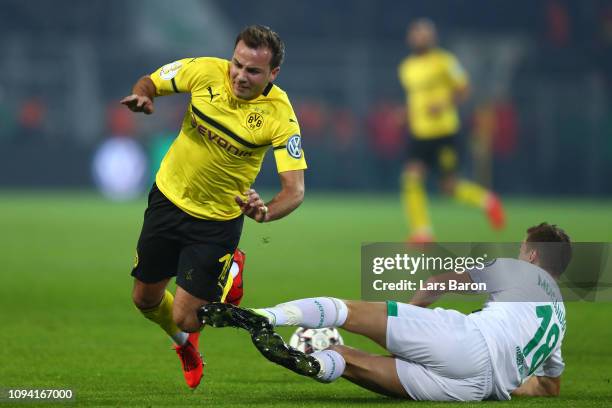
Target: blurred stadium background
x=539, y=121
x=538, y=129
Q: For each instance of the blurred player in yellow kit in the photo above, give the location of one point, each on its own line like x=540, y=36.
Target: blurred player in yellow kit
x=435, y=83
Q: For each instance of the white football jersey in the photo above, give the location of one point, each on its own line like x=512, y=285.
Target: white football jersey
x=523, y=323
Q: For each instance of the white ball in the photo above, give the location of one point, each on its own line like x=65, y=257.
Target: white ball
x=311, y=340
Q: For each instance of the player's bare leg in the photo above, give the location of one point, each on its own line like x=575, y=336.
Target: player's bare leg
x=185, y=310
x=148, y=295
x=375, y=373
x=155, y=303
x=184, y=315
x=368, y=319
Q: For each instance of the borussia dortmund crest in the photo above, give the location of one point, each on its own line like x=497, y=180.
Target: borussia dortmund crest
x=254, y=121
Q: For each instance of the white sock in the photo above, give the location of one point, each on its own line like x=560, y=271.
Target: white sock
x=180, y=338
x=311, y=313
x=274, y=315
x=332, y=365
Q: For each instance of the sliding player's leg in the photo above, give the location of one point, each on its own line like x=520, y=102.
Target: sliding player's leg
x=467, y=376
x=441, y=354
x=366, y=318
x=373, y=372
x=437, y=354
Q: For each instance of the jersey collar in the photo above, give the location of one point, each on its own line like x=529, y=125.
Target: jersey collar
x=265, y=93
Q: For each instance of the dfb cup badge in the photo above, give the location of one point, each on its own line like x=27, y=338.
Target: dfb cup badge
x=294, y=146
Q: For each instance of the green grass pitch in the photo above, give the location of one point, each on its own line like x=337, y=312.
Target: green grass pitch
x=68, y=323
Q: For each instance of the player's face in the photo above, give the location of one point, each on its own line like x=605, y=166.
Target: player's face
x=421, y=37
x=250, y=71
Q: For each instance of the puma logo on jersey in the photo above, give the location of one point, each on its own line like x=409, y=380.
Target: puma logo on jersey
x=222, y=143
x=210, y=91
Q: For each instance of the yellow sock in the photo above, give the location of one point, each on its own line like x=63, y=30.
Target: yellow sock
x=414, y=199
x=471, y=193
x=162, y=315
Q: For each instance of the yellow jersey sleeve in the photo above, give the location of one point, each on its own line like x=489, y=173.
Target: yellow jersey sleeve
x=456, y=74
x=287, y=143
x=179, y=76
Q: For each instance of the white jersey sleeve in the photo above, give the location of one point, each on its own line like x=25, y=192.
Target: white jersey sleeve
x=494, y=275
x=511, y=280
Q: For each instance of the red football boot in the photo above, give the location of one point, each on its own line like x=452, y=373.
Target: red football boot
x=191, y=360
x=234, y=296
x=421, y=238
x=495, y=212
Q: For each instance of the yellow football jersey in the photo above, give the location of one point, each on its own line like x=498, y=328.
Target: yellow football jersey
x=431, y=79
x=223, y=139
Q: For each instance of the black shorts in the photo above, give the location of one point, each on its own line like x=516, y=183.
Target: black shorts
x=439, y=153
x=173, y=243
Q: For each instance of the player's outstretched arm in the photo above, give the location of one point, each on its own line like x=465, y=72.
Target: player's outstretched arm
x=290, y=197
x=438, y=285
x=287, y=200
x=141, y=99
x=539, y=387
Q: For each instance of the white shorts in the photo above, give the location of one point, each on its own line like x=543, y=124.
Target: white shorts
x=440, y=354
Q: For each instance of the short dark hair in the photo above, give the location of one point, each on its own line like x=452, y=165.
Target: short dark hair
x=423, y=21
x=255, y=36
x=553, y=246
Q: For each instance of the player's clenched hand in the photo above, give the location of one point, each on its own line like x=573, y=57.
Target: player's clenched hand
x=138, y=103
x=252, y=206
